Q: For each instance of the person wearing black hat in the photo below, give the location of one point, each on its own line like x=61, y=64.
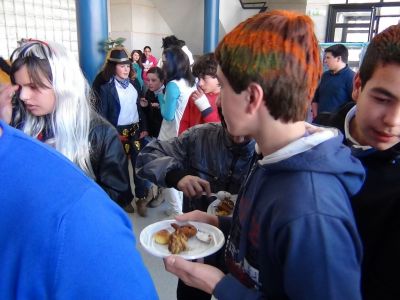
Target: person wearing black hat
x=120, y=105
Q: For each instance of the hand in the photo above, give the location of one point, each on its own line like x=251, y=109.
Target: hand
x=193, y=186
x=200, y=99
x=155, y=105
x=198, y=216
x=197, y=94
x=198, y=275
x=144, y=102
x=6, y=94
x=143, y=134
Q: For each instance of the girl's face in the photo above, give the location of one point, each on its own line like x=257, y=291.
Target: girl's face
x=122, y=71
x=154, y=82
x=39, y=101
x=135, y=56
x=147, y=52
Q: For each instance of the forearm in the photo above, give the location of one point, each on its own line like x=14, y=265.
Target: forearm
x=169, y=101
x=156, y=160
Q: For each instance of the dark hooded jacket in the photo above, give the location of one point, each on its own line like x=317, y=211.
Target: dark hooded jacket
x=293, y=234
x=377, y=212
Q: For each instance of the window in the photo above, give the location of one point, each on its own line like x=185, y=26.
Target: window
x=360, y=22
x=355, y=23
x=39, y=19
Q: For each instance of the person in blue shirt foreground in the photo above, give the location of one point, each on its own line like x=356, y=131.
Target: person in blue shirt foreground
x=292, y=234
x=61, y=236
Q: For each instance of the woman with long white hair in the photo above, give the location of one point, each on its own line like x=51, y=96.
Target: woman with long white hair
x=52, y=104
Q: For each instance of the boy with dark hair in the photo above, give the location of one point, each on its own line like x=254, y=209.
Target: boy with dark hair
x=372, y=130
x=338, y=50
x=292, y=234
x=201, y=107
x=336, y=84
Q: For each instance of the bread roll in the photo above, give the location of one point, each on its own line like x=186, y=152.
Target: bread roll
x=162, y=237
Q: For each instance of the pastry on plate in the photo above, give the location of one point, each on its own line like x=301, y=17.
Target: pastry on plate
x=225, y=207
x=162, y=237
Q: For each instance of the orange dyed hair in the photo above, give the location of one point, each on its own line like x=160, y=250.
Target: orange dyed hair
x=279, y=51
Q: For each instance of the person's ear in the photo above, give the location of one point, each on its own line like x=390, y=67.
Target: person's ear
x=254, y=97
x=356, y=87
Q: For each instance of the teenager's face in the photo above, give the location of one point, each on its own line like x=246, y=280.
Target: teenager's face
x=154, y=82
x=135, y=56
x=122, y=71
x=209, y=84
x=333, y=63
x=147, y=52
x=377, y=120
x=38, y=101
x=233, y=106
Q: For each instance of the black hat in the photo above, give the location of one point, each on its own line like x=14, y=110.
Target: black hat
x=119, y=56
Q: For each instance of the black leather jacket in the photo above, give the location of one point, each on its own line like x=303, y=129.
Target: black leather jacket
x=204, y=150
x=107, y=157
x=109, y=161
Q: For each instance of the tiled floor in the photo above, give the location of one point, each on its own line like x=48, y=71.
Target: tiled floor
x=165, y=282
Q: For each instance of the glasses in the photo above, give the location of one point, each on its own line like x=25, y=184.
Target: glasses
x=32, y=47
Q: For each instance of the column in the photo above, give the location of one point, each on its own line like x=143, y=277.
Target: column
x=92, y=27
x=211, y=25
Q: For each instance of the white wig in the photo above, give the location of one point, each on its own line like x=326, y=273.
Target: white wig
x=69, y=123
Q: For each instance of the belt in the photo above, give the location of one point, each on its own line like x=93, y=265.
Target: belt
x=128, y=130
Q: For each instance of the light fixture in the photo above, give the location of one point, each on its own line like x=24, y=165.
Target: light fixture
x=254, y=4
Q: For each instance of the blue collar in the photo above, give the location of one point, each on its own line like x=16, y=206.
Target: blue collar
x=124, y=82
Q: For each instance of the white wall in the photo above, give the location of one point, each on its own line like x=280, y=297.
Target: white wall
x=318, y=11
x=146, y=22
x=140, y=23
x=186, y=20
x=231, y=14
x=295, y=5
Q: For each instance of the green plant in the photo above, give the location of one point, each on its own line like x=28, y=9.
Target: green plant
x=111, y=43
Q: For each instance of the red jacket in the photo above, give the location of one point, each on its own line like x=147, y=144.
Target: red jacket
x=192, y=115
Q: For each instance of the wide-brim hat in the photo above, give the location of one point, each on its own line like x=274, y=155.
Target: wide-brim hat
x=119, y=56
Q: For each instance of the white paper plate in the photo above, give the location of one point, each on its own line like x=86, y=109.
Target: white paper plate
x=197, y=249
x=212, y=208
